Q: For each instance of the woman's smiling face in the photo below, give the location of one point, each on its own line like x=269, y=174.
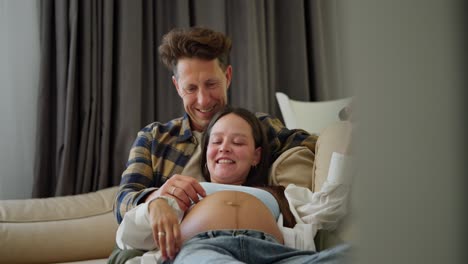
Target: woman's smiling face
x=231, y=150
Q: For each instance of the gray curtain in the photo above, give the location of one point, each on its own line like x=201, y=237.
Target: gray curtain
x=102, y=81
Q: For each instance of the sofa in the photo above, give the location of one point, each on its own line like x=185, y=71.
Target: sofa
x=81, y=228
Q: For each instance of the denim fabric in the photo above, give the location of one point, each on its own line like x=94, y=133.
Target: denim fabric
x=249, y=246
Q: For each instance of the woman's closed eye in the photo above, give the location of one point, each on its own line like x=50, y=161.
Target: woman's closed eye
x=216, y=141
x=238, y=142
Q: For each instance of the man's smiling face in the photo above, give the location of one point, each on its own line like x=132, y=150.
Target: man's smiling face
x=202, y=85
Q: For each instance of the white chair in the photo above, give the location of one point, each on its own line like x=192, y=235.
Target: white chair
x=310, y=116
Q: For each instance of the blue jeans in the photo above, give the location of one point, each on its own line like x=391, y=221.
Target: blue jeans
x=249, y=246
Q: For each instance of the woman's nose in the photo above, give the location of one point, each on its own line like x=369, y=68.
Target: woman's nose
x=224, y=148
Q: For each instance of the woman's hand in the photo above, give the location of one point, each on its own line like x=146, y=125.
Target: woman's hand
x=166, y=228
x=184, y=189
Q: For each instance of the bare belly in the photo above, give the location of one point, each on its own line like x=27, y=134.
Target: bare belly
x=229, y=210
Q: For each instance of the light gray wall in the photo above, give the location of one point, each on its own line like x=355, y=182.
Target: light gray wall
x=19, y=73
x=404, y=61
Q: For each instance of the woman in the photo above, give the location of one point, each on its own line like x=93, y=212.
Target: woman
x=232, y=222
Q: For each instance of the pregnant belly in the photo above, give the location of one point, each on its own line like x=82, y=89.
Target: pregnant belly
x=229, y=210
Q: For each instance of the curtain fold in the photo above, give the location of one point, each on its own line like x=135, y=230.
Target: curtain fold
x=102, y=81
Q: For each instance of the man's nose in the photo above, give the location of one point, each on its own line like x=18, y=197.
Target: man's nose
x=203, y=97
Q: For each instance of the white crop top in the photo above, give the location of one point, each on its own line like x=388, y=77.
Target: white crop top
x=267, y=198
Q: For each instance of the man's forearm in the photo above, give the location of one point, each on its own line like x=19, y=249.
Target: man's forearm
x=129, y=196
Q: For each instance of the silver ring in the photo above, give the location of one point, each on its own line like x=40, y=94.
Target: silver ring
x=173, y=190
x=161, y=234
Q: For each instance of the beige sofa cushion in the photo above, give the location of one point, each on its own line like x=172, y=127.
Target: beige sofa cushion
x=59, y=229
x=331, y=139
x=300, y=166
x=293, y=166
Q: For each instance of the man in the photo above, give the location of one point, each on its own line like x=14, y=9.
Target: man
x=165, y=158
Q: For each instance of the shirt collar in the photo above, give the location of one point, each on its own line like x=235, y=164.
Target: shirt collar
x=185, y=133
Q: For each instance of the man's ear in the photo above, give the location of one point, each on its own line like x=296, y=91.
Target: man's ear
x=176, y=84
x=257, y=156
x=228, y=76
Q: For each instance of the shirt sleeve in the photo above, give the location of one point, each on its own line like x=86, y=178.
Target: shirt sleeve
x=137, y=178
x=282, y=139
x=300, y=237
x=319, y=210
x=135, y=230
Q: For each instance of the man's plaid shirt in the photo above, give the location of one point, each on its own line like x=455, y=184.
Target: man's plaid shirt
x=162, y=150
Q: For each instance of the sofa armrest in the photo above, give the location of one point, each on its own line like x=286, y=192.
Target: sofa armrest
x=58, y=229
x=302, y=167
x=332, y=138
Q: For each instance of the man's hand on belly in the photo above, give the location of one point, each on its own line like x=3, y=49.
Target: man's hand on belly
x=166, y=228
x=184, y=189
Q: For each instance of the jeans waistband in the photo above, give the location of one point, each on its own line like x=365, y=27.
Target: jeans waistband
x=234, y=233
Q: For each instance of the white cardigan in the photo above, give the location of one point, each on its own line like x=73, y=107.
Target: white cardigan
x=312, y=211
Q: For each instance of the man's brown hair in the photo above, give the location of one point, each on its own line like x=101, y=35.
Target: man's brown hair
x=195, y=42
